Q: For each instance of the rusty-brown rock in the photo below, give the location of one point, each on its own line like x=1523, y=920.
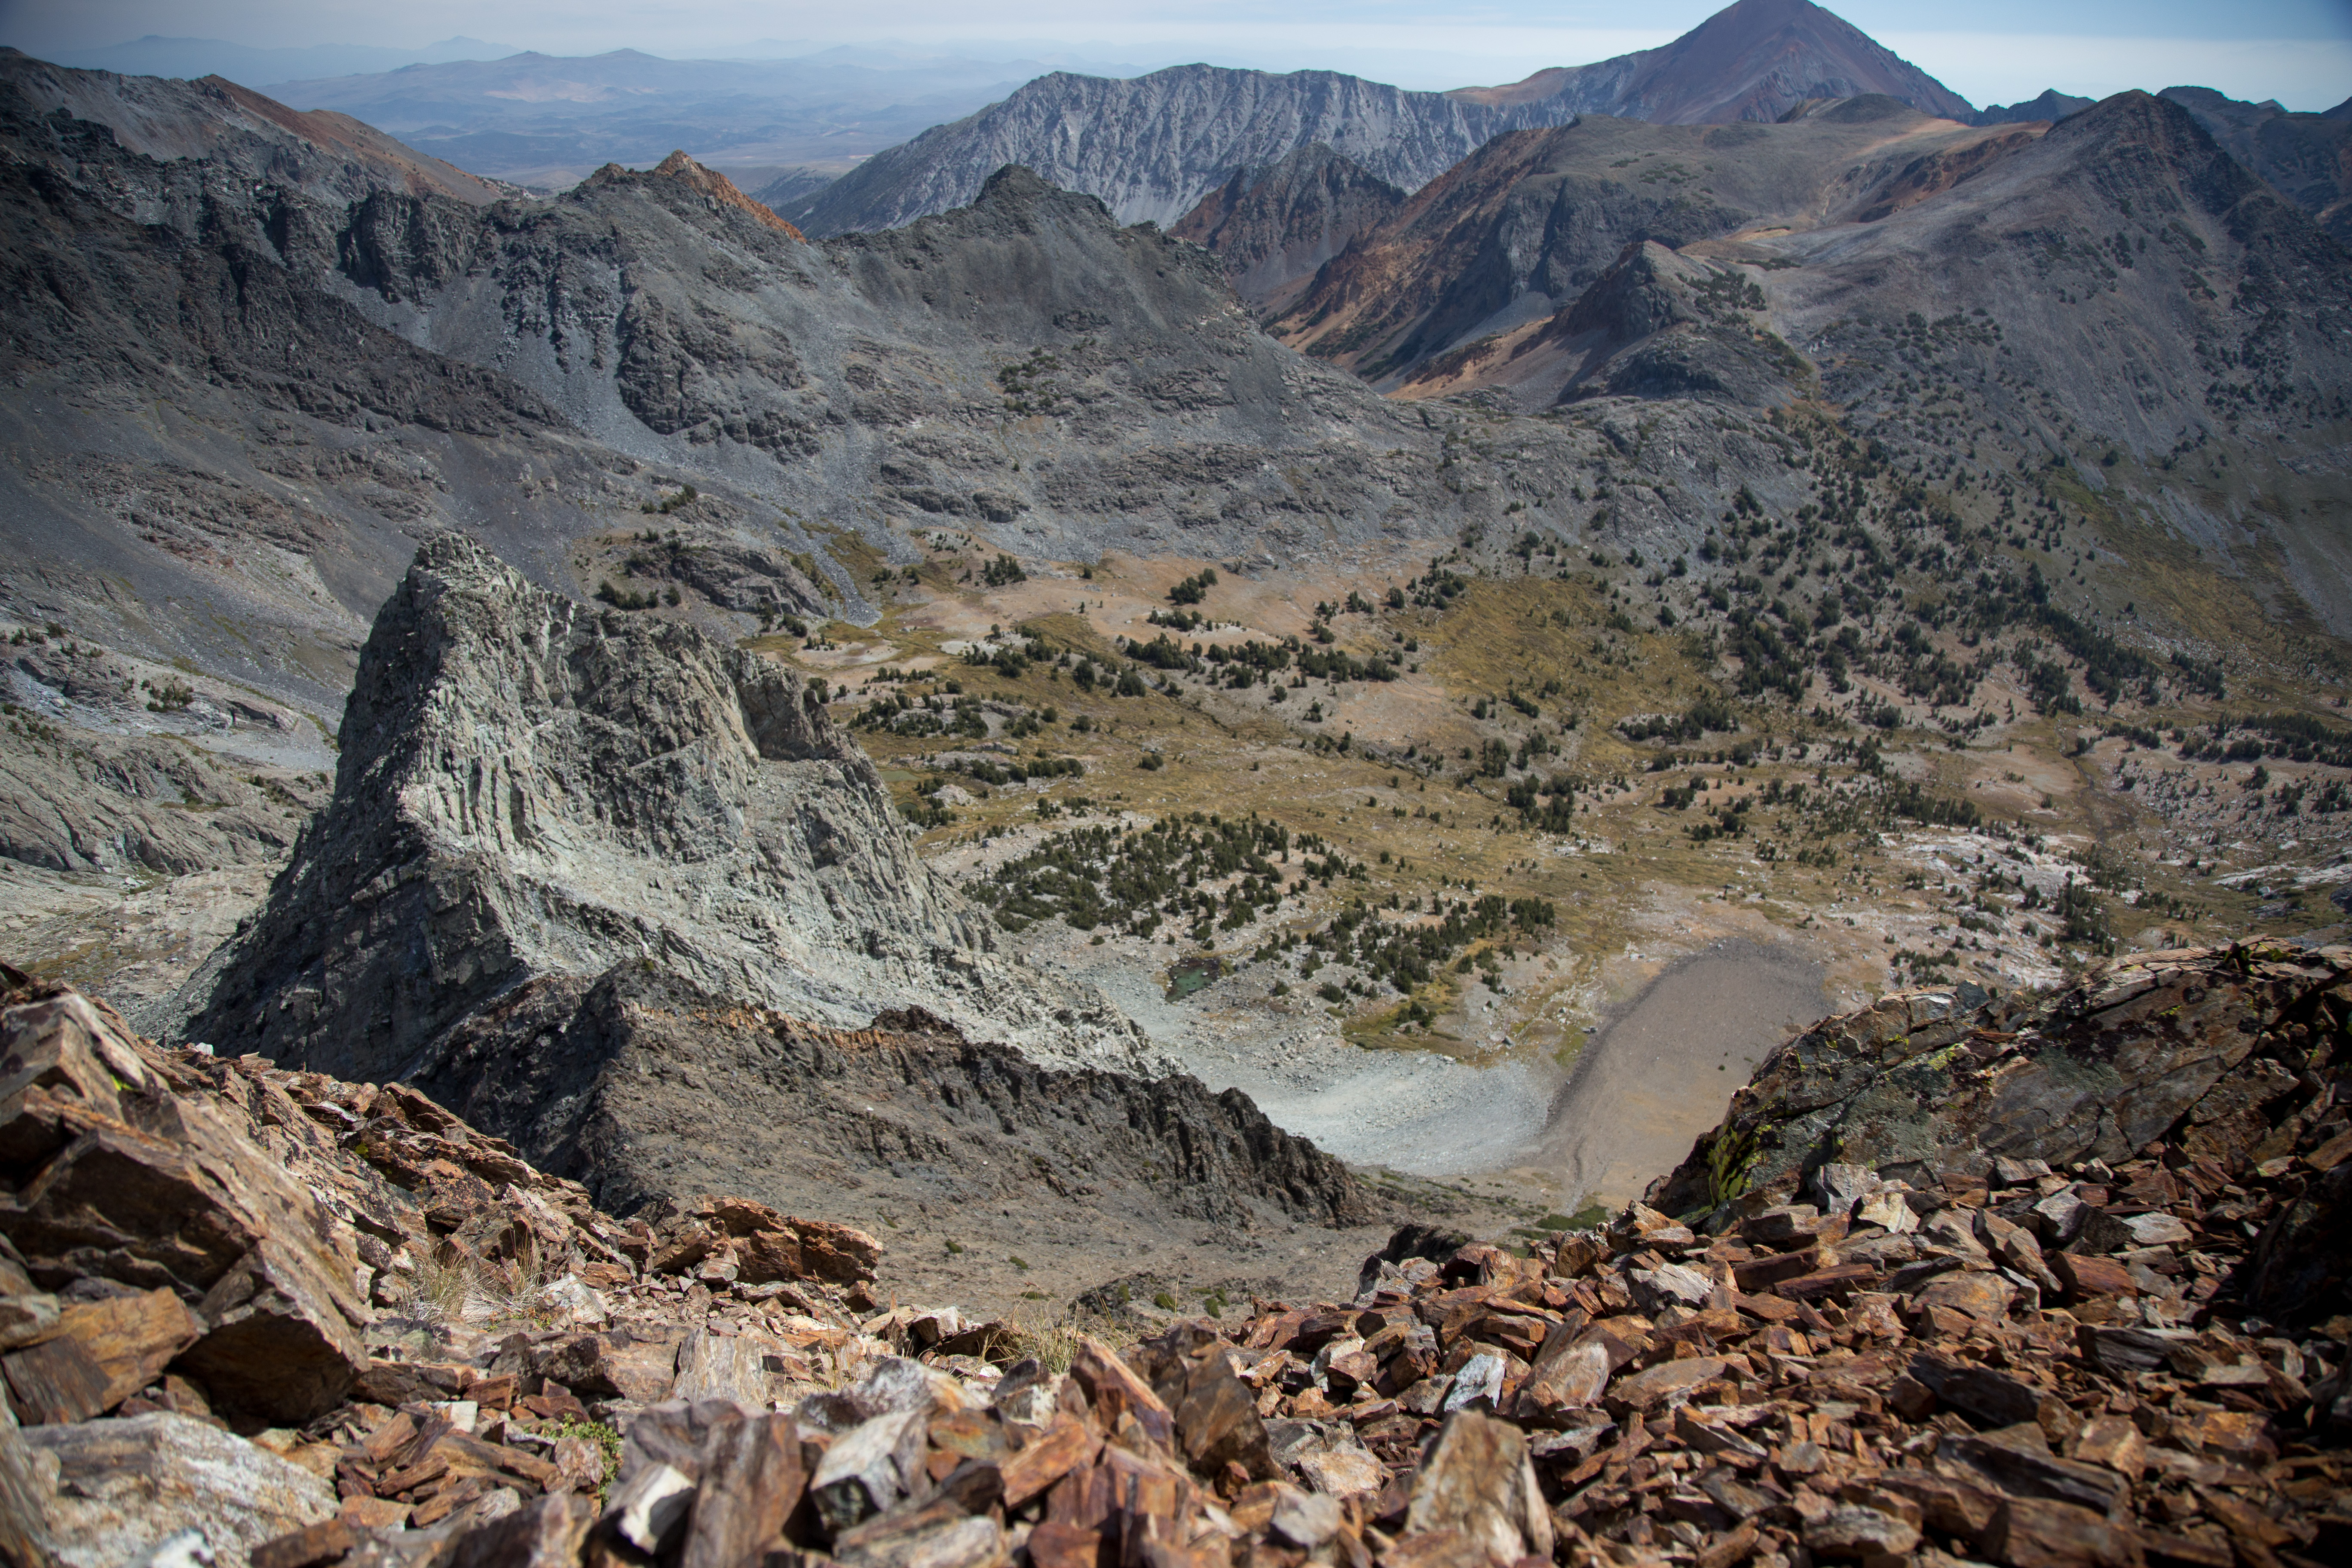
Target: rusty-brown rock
x=1117, y=1393
x=1478, y=1480
x=612, y=1366
x=1653, y=1385
x=102, y=1353
x=752, y=1481
x=139, y=1185
x=545, y=1532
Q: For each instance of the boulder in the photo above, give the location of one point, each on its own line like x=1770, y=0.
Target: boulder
x=1478, y=1480
x=729, y=1366
x=119, y=1178
x=868, y=1469
x=128, y=1484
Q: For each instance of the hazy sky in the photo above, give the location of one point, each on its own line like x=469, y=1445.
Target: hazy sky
x=2298, y=51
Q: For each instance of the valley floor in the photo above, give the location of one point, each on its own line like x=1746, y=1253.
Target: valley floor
x=1502, y=900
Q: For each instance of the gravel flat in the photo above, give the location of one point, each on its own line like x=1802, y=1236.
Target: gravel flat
x=1664, y=1069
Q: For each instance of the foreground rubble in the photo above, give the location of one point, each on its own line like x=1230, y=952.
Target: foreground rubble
x=2137, y=1359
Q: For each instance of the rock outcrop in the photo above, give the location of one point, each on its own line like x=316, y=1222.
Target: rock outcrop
x=146, y=1230
x=649, y=1089
x=530, y=787
x=2211, y=1051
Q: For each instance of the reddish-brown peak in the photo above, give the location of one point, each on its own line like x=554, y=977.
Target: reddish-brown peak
x=1540, y=86
x=720, y=188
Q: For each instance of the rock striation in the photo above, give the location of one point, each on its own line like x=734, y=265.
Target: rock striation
x=531, y=787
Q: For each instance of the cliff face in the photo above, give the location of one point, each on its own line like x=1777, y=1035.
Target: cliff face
x=1273, y=227
x=531, y=787
x=1152, y=147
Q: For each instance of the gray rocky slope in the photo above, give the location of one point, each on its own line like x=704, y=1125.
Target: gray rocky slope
x=218, y=125
x=528, y=787
x=2118, y=284
x=2301, y=156
x=645, y=1088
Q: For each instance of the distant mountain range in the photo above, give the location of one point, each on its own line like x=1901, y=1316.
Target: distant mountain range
x=1152, y=148
x=550, y=120
x=191, y=58
x=327, y=156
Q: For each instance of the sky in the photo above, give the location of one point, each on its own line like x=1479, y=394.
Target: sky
x=1989, y=51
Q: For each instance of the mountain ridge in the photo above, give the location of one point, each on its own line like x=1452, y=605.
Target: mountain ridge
x=1185, y=131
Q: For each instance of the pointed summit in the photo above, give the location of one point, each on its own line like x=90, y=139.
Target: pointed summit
x=720, y=188
x=1753, y=61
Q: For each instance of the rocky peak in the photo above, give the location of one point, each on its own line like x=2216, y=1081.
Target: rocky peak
x=530, y=787
x=1755, y=59
x=718, y=188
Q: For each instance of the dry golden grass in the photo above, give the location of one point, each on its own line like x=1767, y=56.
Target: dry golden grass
x=1233, y=753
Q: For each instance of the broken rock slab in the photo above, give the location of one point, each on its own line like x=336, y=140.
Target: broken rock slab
x=117, y=1177
x=1920, y=1082
x=1480, y=1481
x=128, y=1484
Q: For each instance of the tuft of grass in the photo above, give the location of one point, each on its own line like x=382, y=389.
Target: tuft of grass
x=1054, y=1346
x=439, y=1289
